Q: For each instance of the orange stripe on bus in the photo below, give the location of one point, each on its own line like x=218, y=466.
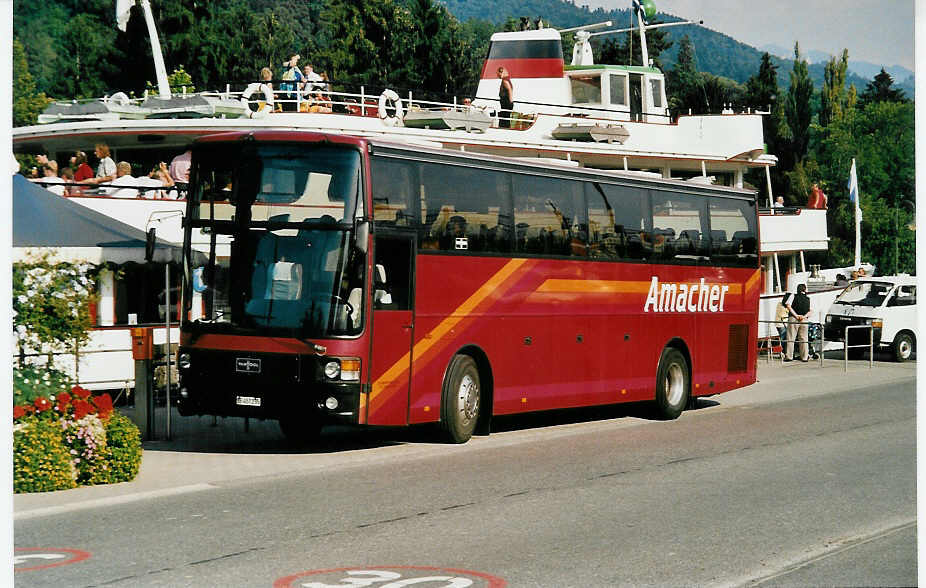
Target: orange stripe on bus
x=437, y=333
x=613, y=286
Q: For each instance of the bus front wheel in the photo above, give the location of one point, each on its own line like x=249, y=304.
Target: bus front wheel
x=673, y=384
x=460, y=401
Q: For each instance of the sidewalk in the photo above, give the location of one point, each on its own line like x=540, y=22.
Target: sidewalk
x=200, y=456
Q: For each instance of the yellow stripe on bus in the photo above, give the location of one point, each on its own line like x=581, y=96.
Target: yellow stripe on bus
x=460, y=313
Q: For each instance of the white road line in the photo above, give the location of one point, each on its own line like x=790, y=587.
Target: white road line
x=110, y=501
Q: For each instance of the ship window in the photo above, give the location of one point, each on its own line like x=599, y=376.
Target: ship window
x=586, y=89
x=619, y=89
x=656, y=92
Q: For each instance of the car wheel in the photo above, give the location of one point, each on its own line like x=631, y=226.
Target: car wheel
x=903, y=347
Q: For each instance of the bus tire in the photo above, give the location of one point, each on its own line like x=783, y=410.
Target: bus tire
x=460, y=399
x=673, y=384
x=902, y=347
x=301, y=430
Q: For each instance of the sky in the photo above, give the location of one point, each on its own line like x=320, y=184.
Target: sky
x=877, y=31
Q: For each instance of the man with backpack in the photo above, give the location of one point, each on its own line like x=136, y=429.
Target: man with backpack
x=798, y=314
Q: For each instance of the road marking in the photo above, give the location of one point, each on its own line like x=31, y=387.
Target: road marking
x=109, y=501
x=390, y=577
x=48, y=557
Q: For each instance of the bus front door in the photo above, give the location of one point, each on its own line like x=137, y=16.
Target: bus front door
x=393, y=330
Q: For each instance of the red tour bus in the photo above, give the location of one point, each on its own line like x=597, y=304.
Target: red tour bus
x=357, y=281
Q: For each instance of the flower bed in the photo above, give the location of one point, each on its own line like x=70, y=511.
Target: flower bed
x=69, y=440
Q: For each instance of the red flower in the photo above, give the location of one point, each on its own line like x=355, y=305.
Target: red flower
x=63, y=398
x=81, y=409
x=104, y=405
x=79, y=392
x=42, y=404
x=18, y=412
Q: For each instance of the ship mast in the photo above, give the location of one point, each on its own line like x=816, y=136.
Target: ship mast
x=160, y=71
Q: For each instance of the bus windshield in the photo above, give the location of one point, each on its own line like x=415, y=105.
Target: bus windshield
x=280, y=230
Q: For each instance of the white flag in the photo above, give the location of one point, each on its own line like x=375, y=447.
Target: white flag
x=123, y=11
x=853, y=185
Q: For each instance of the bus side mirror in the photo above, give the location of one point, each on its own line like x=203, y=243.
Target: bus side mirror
x=361, y=235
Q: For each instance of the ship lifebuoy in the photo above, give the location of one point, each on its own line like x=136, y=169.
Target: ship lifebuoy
x=262, y=108
x=389, y=99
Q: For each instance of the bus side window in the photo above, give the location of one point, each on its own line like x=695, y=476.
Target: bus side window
x=392, y=287
x=466, y=209
x=733, y=232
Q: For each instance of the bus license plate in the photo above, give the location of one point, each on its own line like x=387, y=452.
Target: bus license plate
x=247, y=401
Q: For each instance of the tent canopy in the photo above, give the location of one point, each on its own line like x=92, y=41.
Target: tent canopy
x=42, y=220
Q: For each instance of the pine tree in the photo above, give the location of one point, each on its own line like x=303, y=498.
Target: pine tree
x=27, y=102
x=798, y=112
x=880, y=90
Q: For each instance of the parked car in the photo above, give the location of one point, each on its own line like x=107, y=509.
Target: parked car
x=887, y=304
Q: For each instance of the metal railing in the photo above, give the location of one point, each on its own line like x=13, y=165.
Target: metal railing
x=846, y=347
x=812, y=344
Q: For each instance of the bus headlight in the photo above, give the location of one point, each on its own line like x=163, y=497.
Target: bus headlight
x=877, y=323
x=346, y=369
x=184, y=361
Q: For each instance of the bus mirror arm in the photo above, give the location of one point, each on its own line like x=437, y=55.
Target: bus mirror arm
x=361, y=235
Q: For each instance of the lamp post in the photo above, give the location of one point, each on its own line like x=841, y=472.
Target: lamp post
x=149, y=252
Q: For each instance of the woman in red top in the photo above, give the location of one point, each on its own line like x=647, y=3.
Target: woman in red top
x=82, y=170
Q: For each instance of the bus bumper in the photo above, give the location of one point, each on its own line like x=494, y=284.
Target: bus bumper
x=264, y=386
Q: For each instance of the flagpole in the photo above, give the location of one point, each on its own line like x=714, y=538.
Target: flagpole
x=854, y=198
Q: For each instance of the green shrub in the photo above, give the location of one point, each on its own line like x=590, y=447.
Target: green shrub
x=30, y=382
x=41, y=461
x=124, y=443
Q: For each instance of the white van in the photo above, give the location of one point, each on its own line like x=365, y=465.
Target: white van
x=886, y=303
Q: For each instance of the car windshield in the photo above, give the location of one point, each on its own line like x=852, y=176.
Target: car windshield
x=865, y=293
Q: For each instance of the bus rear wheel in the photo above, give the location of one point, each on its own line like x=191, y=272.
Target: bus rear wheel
x=460, y=399
x=673, y=384
x=301, y=429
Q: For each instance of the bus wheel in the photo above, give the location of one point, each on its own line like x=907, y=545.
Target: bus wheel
x=301, y=429
x=903, y=346
x=673, y=384
x=460, y=400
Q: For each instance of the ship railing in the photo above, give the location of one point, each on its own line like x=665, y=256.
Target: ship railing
x=142, y=192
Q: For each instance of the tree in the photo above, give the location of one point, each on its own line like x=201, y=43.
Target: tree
x=762, y=93
x=881, y=139
x=798, y=113
x=27, y=102
x=684, y=84
x=833, y=98
x=880, y=90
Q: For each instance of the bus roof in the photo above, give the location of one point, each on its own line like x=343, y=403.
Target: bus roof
x=437, y=153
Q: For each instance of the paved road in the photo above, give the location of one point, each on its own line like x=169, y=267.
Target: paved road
x=807, y=478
